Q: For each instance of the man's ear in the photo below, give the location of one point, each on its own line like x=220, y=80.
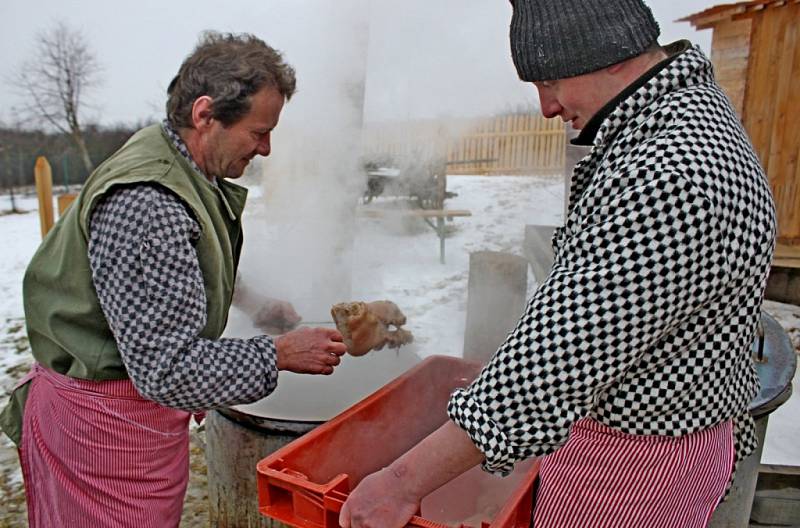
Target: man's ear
x=620, y=74
x=616, y=68
x=202, y=114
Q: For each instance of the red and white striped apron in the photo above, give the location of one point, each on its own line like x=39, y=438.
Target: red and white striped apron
x=604, y=478
x=98, y=454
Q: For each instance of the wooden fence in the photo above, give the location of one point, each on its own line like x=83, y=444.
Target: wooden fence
x=404, y=142
x=507, y=144
x=511, y=144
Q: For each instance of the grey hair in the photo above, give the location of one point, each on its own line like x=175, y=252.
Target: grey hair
x=228, y=68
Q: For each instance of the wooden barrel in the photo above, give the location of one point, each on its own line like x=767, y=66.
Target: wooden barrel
x=235, y=443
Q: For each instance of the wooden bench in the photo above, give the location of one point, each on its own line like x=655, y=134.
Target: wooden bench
x=786, y=256
x=783, y=284
x=433, y=217
x=777, y=497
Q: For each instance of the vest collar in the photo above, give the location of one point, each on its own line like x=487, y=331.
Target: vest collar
x=232, y=196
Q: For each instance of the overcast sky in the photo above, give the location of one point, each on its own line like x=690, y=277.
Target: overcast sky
x=425, y=58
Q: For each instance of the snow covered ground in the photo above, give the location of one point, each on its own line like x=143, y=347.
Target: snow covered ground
x=397, y=261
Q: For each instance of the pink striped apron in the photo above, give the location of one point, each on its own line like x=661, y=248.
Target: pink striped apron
x=98, y=454
x=604, y=478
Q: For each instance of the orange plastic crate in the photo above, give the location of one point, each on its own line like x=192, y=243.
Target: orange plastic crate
x=305, y=483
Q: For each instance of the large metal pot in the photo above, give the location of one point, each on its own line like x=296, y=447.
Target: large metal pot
x=238, y=438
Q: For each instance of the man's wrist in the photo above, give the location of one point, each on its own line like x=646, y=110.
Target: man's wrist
x=403, y=479
x=278, y=341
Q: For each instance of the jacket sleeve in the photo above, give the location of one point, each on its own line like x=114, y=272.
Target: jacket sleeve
x=148, y=280
x=625, y=274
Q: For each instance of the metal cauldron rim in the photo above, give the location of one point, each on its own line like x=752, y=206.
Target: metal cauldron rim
x=777, y=372
x=269, y=426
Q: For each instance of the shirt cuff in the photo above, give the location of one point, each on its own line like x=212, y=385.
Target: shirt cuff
x=269, y=353
x=487, y=437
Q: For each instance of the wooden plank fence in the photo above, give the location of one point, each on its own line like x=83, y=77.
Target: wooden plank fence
x=408, y=142
x=510, y=144
x=506, y=144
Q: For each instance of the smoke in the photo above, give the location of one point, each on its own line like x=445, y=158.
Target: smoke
x=357, y=62
x=300, y=244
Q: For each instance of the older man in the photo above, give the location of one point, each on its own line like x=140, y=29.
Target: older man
x=630, y=370
x=127, y=297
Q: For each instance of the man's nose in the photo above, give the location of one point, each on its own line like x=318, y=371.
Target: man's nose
x=549, y=104
x=263, y=148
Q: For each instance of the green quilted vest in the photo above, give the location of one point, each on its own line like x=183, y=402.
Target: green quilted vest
x=67, y=330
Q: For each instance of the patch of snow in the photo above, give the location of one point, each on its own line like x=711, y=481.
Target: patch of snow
x=21, y=236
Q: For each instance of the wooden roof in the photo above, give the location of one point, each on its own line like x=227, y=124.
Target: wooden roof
x=723, y=12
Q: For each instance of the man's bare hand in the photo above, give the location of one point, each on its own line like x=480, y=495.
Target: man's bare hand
x=276, y=315
x=391, y=496
x=310, y=350
x=379, y=501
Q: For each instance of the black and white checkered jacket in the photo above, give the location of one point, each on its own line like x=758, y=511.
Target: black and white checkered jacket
x=646, y=320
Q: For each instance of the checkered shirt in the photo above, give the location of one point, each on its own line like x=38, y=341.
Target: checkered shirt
x=141, y=240
x=181, y=147
x=647, y=319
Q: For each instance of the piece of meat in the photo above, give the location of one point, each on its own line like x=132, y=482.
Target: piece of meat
x=366, y=326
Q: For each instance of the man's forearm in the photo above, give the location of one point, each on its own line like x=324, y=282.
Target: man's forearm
x=244, y=299
x=439, y=458
x=389, y=497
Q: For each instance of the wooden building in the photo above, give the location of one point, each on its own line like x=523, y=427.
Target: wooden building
x=755, y=49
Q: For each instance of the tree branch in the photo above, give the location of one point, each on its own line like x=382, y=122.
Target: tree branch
x=55, y=78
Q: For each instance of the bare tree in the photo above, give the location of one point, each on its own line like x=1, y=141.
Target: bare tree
x=5, y=151
x=56, y=79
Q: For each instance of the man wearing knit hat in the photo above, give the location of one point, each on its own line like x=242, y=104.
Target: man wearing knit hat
x=629, y=372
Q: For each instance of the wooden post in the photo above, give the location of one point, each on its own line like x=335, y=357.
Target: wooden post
x=11, y=180
x=44, y=189
x=538, y=249
x=64, y=201
x=496, y=293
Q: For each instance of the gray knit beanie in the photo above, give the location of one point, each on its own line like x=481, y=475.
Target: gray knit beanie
x=556, y=39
